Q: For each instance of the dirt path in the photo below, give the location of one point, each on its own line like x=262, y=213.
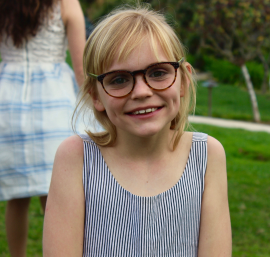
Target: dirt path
x=229, y=123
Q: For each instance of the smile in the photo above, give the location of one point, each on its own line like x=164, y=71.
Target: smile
x=145, y=111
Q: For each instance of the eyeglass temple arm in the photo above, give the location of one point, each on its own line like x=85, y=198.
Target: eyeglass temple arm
x=92, y=75
x=181, y=60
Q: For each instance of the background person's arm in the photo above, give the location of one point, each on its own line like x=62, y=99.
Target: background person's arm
x=64, y=214
x=215, y=229
x=73, y=19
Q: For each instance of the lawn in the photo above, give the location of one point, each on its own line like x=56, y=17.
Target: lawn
x=248, y=165
x=231, y=102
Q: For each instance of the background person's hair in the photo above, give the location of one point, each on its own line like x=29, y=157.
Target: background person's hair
x=113, y=39
x=21, y=19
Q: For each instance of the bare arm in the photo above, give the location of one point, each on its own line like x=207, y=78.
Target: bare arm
x=64, y=214
x=72, y=16
x=215, y=230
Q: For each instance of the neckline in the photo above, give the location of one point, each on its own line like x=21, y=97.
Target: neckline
x=154, y=196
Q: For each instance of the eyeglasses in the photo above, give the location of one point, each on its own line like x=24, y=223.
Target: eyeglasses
x=120, y=83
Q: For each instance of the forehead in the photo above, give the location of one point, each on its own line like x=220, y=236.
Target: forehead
x=141, y=56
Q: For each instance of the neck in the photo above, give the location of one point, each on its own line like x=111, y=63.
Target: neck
x=144, y=147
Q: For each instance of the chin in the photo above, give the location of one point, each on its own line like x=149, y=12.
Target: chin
x=147, y=133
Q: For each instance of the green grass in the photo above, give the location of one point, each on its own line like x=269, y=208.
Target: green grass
x=231, y=102
x=248, y=165
x=34, y=248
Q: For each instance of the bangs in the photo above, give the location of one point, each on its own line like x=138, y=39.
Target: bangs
x=116, y=41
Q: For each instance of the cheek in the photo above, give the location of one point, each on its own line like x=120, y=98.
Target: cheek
x=113, y=107
x=177, y=100
x=181, y=88
x=174, y=99
x=178, y=90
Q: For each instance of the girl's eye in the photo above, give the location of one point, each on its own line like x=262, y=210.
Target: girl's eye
x=118, y=80
x=157, y=74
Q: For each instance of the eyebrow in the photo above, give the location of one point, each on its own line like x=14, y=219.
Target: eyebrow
x=96, y=76
x=136, y=70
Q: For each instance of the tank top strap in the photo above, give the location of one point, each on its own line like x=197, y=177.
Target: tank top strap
x=199, y=136
x=85, y=137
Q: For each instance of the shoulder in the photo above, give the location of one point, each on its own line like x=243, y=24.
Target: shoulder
x=69, y=157
x=215, y=150
x=71, y=147
x=216, y=171
x=71, y=10
x=67, y=171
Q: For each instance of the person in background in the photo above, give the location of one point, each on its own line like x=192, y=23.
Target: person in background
x=37, y=99
x=144, y=186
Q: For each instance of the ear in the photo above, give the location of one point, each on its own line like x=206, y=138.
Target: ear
x=187, y=80
x=96, y=101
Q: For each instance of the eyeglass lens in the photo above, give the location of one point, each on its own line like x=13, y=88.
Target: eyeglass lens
x=158, y=76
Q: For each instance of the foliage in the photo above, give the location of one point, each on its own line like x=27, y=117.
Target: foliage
x=226, y=72
x=222, y=70
x=256, y=73
x=234, y=29
x=237, y=30
x=96, y=10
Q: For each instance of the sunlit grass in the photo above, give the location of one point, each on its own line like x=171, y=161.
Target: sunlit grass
x=231, y=102
x=248, y=167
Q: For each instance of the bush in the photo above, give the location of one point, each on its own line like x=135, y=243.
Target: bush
x=256, y=73
x=224, y=71
x=227, y=73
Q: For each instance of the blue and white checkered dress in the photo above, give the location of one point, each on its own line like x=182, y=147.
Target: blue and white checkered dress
x=37, y=99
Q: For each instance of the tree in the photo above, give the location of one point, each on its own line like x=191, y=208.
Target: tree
x=238, y=30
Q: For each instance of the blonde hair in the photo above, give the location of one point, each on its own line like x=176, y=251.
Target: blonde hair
x=113, y=39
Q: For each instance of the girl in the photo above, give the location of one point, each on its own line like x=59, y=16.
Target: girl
x=37, y=99
x=144, y=187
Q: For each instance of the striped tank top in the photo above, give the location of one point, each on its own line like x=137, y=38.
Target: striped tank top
x=121, y=224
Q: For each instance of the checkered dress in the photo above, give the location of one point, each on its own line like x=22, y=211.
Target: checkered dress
x=37, y=99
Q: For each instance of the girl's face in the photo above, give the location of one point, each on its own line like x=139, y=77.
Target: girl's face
x=124, y=112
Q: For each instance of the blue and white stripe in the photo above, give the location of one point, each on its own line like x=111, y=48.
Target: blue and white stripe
x=118, y=223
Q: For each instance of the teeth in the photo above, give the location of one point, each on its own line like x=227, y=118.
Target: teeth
x=145, y=111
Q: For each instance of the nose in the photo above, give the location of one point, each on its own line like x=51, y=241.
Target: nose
x=141, y=89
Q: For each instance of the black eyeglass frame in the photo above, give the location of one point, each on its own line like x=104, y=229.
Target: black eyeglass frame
x=100, y=78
